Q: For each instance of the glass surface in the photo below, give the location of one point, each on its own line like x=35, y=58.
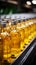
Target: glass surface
x=14, y=38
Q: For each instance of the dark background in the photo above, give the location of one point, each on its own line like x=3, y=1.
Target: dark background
x=21, y=7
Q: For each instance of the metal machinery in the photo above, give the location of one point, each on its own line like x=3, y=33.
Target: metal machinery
x=17, y=37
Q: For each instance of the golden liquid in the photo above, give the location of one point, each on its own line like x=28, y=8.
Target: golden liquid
x=15, y=39
x=18, y=37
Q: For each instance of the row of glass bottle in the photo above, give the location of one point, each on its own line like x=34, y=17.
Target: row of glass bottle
x=14, y=37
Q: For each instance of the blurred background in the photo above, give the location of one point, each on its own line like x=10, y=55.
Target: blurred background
x=17, y=6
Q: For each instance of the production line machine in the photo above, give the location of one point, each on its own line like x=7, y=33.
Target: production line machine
x=15, y=37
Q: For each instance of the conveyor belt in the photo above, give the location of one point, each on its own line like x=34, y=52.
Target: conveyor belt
x=27, y=55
